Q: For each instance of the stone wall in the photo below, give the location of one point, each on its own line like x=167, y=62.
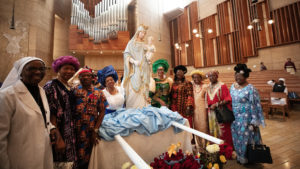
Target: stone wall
x=34, y=20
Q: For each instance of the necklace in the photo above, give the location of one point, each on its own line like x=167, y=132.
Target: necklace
x=212, y=87
x=198, y=88
x=237, y=86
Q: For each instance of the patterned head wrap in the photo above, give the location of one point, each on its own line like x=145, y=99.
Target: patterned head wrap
x=105, y=72
x=63, y=60
x=214, y=72
x=85, y=70
x=180, y=67
x=194, y=72
x=242, y=69
x=160, y=63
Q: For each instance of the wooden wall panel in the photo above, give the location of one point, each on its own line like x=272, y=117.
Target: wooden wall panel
x=195, y=44
x=242, y=19
x=183, y=56
x=286, y=27
x=197, y=52
x=208, y=45
x=184, y=26
x=193, y=16
x=171, y=26
x=230, y=40
x=224, y=18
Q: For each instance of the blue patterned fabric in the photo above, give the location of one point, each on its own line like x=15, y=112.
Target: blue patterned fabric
x=247, y=110
x=147, y=121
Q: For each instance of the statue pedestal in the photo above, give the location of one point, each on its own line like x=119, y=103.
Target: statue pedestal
x=110, y=155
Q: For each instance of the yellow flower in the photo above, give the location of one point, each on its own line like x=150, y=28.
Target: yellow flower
x=216, y=166
x=172, y=150
x=126, y=165
x=133, y=167
x=198, y=155
x=178, y=144
x=222, y=159
x=209, y=166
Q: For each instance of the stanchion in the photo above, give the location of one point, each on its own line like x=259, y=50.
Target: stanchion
x=134, y=157
x=198, y=133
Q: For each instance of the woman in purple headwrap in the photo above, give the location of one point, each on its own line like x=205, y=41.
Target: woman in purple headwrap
x=62, y=108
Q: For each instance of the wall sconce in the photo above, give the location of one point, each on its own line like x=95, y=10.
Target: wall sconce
x=257, y=22
x=187, y=45
x=270, y=21
x=195, y=30
x=177, y=46
x=209, y=30
x=249, y=27
x=197, y=35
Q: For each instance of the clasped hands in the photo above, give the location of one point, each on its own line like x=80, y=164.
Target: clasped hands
x=57, y=141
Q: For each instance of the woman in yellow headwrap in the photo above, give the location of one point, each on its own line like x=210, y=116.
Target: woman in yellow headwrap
x=200, y=114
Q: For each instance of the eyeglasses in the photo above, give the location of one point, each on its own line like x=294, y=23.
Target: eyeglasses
x=34, y=69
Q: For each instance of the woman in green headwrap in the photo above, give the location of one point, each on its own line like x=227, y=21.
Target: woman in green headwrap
x=161, y=86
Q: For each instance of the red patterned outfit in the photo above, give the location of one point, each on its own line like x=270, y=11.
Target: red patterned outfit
x=182, y=100
x=90, y=106
x=220, y=130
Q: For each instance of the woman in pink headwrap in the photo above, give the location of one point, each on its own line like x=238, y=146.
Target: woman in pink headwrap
x=218, y=95
x=61, y=102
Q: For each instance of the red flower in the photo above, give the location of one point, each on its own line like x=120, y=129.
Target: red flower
x=176, y=166
x=226, y=150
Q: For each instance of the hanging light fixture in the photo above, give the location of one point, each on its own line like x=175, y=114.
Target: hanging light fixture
x=197, y=35
x=249, y=27
x=209, y=30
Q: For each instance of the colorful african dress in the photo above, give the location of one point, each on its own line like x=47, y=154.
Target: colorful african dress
x=162, y=91
x=182, y=97
x=61, y=102
x=214, y=94
x=247, y=110
x=200, y=114
x=90, y=106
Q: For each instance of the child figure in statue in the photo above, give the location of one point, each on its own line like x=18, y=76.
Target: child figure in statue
x=150, y=49
x=137, y=71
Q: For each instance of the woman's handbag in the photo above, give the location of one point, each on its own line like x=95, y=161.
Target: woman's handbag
x=258, y=153
x=223, y=114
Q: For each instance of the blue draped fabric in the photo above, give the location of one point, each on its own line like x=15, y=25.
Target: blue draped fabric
x=147, y=121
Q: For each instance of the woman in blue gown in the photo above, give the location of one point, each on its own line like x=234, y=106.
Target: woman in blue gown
x=247, y=111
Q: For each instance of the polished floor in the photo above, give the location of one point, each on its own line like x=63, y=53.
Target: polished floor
x=283, y=138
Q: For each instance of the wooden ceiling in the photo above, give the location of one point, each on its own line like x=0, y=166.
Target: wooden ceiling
x=90, y=6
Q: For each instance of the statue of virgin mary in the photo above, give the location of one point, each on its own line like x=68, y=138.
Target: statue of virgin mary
x=137, y=71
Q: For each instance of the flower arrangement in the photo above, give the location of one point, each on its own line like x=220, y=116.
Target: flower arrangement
x=213, y=158
x=174, y=158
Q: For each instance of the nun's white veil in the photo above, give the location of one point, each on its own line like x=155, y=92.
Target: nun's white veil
x=15, y=73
